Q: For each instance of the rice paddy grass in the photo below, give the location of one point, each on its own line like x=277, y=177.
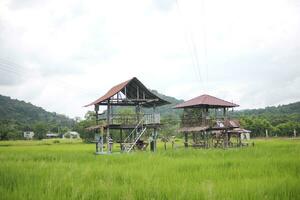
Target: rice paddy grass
x=71, y=170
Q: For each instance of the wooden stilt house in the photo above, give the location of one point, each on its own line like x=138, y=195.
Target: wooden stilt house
x=131, y=127
x=206, y=120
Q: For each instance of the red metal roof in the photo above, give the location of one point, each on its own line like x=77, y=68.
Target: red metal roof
x=113, y=91
x=206, y=101
x=130, y=84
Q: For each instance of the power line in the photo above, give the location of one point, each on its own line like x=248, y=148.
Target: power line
x=196, y=56
x=9, y=62
x=23, y=74
x=193, y=49
x=205, y=38
x=8, y=70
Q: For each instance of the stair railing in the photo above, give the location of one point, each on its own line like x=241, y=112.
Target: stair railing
x=136, y=139
x=135, y=129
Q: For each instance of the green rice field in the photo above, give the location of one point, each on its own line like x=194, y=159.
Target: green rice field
x=71, y=170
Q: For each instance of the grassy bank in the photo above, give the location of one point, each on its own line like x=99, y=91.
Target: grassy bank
x=269, y=170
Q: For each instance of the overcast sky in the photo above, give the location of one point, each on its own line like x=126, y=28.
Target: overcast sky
x=61, y=55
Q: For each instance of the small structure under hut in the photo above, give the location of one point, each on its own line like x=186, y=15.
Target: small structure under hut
x=132, y=127
x=207, y=120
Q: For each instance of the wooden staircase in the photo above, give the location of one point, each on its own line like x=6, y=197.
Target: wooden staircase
x=140, y=129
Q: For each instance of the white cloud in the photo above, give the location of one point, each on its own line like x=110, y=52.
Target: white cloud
x=64, y=54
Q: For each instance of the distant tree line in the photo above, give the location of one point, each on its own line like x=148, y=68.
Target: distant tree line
x=19, y=116
x=259, y=126
x=277, y=120
x=14, y=130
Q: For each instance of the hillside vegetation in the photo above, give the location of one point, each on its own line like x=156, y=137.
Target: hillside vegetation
x=167, y=110
x=280, y=120
x=275, y=114
x=18, y=116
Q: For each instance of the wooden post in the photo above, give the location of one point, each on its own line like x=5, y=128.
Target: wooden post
x=186, y=144
x=206, y=122
x=173, y=142
x=215, y=114
x=155, y=138
x=151, y=140
x=121, y=138
x=137, y=111
x=97, y=122
x=225, y=142
x=101, y=139
x=203, y=117
x=154, y=135
x=121, y=135
x=108, y=123
x=205, y=139
x=194, y=138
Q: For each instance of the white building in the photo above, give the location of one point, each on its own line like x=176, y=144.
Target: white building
x=245, y=134
x=72, y=135
x=28, y=135
x=52, y=135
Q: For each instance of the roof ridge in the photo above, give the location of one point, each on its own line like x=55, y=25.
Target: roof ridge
x=119, y=87
x=206, y=100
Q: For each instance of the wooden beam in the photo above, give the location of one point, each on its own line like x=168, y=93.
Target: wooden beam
x=140, y=100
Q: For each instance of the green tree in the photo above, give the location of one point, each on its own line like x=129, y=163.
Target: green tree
x=82, y=125
x=258, y=126
x=287, y=129
x=40, y=130
x=90, y=115
x=170, y=125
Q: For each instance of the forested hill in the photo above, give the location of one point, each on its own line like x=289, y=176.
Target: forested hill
x=292, y=108
x=22, y=112
x=167, y=110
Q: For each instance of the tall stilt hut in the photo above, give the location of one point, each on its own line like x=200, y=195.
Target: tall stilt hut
x=205, y=120
x=131, y=127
